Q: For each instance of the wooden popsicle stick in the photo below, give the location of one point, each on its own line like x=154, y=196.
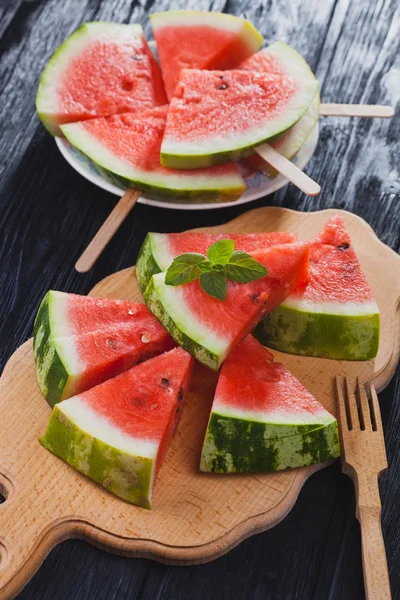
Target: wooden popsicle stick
x=356, y=110
x=288, y=170
x=107, y=230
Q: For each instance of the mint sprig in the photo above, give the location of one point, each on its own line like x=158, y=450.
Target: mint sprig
x=221, y=263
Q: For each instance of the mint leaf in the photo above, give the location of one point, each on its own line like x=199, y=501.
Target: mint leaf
x=244, y=268
x=184, y=269
x=205, y=266
x=221, y=252
x=214, y=284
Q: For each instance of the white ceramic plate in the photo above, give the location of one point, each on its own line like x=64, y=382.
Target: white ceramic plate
x=257, y=184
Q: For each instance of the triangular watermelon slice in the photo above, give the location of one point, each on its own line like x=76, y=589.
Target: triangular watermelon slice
x=263, y=419
x=101, y=69
x=190, y=39
x=118, y=432
x=80, y=342
x=281, y=59
x=159, y=249
x=209, y=328
x=129, y=146
x=336, y=315
x=220, y=116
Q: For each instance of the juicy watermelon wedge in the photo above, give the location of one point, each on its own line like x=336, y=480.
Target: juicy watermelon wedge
x=263, y=419
x=189, y=39
x=335, y=316
x=80, y=342
x=220, y=116
x=159, y=249
x=129, y=146
x=209, y=328
x=280, y=59
x=118, y=432
x=101, y=69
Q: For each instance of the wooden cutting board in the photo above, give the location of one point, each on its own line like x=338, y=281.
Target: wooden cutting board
x=196, y=517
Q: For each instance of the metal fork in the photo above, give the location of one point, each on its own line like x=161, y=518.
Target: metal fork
x=364, y=459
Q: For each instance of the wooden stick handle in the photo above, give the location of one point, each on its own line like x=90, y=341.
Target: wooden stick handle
x=376, y=575
x=107, y=230
x=356, y=110
x=288, y=170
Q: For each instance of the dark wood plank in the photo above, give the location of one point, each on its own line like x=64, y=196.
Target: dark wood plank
x=48, y=214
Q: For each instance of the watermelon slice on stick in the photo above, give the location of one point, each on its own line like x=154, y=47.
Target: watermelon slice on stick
x=280, y=59
x=219, y=116
x=77, y=85
x=159, y=249
x=263, y=419
x=336, y=315
x=118, y=432
x=189, y=39
x=209, y=328
x=80, y=342
x=128, y=145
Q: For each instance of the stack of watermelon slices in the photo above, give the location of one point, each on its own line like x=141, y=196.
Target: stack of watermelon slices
x=116, y=112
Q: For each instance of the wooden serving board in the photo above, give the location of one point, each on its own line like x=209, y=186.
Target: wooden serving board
x=196, y=517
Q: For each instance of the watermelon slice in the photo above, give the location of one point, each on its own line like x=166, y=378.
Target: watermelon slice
x=263, y=419
x=209, y=328
x=220, y=116
x=118, y=432
x=336, y=315
x=159, y=249
x=79, y=342
x=189, y=39
x=129, y=146
x=100, y=70
x=280, y=59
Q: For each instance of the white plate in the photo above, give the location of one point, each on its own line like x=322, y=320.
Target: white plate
x=257, y=184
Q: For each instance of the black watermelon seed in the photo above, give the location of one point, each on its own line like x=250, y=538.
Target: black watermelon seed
x=180, y=394
x=165, y=382
x=344, y=246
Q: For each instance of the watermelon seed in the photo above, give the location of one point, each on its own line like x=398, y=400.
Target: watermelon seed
x=137, y=57
x=344, y=246
x=165, y=382
x=180, y=394
x=111, y=343
x=223, y=86
x=145, y=340
x=130, y=312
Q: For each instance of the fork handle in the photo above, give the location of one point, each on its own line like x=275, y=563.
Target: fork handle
x=376, y=576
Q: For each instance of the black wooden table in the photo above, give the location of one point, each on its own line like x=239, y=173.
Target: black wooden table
x=49, y=213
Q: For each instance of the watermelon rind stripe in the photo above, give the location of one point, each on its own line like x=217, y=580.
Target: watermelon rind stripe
x=147, y=264
x=234, y=445
x=127, y=475
x=174, y=186
x=334, y=335
x=188, y=154
x=194, y=18
x=168, y=305
x=47, y=97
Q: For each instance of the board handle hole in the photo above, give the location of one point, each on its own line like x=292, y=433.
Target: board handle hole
x=6, y=488
x=3, y=555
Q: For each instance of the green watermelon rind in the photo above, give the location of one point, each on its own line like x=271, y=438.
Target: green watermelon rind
x=112, y=468
x=225, y=188
x=239, y=445
x=52, y=369
x=146, y=264
x=206, y=355
x=325, y=335
x=59, y=61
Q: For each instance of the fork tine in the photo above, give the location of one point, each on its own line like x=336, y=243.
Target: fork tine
x=375, y=409
x=364, y=405
x=341, y=404
x=352, y=404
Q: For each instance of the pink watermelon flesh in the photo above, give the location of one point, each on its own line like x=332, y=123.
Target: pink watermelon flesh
x=335, y=273
x=212, y=103
x=108, y=76
x=197, y=47
x=251, y=382
x=244, y=305
x=134, y=141
x=146, y=401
